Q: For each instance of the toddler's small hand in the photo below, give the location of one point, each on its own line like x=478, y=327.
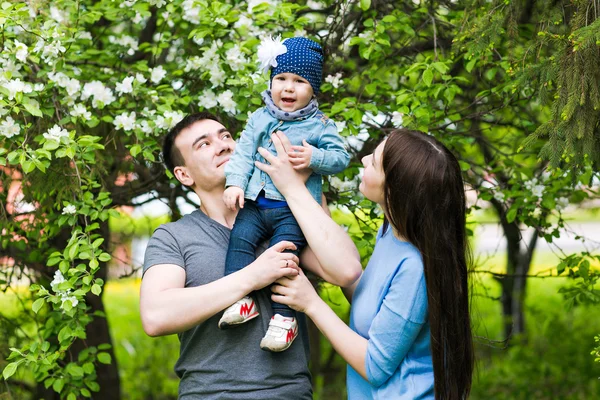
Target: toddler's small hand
x=232, y=196
x=300, y=155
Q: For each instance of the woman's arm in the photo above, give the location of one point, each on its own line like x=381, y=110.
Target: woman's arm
x=300, y=295
x=337, y=254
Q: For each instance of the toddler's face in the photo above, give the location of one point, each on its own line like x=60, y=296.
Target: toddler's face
x=290, y=92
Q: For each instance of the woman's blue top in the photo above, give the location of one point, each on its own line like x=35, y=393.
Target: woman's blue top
x=389, y=309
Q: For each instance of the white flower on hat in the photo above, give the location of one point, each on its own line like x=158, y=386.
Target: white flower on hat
x=268, y=51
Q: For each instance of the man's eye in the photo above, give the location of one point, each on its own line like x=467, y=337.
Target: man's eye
x=201, y=145
x=227, y=135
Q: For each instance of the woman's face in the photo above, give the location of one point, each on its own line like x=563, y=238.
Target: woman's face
x=373, y=178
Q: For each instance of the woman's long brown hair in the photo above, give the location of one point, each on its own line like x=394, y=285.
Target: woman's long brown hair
x=425, y=203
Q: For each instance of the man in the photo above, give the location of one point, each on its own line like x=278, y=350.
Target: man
x=184, y=289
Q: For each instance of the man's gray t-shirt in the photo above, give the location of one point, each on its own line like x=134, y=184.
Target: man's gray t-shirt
x=226, y=364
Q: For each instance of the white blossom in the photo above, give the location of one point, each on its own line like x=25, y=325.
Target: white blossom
x=140, y=78
x=160, y=122
x=144, y=126
x=9, y=128
x=69, y=209
x=56, y=133
x=125, y=121
x=80, y=111
x=15, y=86
x=137, y=19
x=172, y=118
x=58, y=15
x=85, y=35
x=334, y=80
x=397, y=119
x=73, y=87
x=217, y=76
x=254, y=3
x=21, y=51
x=198, y=40
x=58, y=279
x=176, y=85
x=98, y=92
x=126, y=86
x=300, y=33
x=208, y=100
x=221, y=21
x=64, y=297
x=128, y=3
x=193, y=63
x=157, y=3
x=157, y=74
x=129, y=42
x=51, y=51
x=38, y=87
x=499, y=196
x=226, y=101
x=235, y=58
x=341, y=125
x=562, y=203
x=191, y=12
x=243, y=22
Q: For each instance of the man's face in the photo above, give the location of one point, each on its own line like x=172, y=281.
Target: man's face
x=206, y=147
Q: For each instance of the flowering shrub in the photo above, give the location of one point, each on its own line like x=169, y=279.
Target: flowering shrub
x=89, y=88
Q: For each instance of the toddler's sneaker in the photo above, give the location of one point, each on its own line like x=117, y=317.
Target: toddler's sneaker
x=281, y=333
x=238, y=313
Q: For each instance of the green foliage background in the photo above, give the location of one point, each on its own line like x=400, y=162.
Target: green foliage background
x=88, y=89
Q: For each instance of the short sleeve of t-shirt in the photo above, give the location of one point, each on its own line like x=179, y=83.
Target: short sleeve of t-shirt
x=163, y=249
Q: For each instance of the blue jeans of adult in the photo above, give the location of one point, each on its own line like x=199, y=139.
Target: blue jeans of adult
x=253, y=225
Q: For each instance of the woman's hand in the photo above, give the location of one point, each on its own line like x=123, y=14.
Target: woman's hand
x=280, y=169
x=296, y=292
x=273, y=264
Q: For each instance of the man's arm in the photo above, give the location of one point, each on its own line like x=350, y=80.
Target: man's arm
x=335, y=251
x=167, y=307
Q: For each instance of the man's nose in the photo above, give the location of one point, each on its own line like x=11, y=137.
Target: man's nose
x=224, y=146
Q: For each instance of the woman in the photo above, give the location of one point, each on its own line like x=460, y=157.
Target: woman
x=410, y=334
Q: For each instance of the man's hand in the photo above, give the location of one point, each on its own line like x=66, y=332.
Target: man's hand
x=232, y=196
x=273, y=264
x=300, y=155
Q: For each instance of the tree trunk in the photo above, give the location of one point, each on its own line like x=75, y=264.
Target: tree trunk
x=514, y=284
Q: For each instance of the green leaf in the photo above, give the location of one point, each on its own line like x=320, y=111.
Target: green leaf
x=511, y=215
x=104, y=257
x=428, y=76
x=471, y=64
x=135, y=150
x=464, y=166
x=96, y=289
x=104, y=358
x=10, y=369
x=365, y=4
x=37, y=305
x=75, y=370
x=71, y=396
x=58, y=385
x=33, y=107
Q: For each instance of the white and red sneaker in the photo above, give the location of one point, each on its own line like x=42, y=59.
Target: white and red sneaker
x=238, y=313
x=281, y=333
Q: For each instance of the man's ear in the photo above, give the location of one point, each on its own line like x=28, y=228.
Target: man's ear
x=182, y=175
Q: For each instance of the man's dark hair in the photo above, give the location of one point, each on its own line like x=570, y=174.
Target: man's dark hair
x=171, y=155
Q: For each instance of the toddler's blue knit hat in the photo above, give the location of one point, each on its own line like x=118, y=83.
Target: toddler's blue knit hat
x=304, y=58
